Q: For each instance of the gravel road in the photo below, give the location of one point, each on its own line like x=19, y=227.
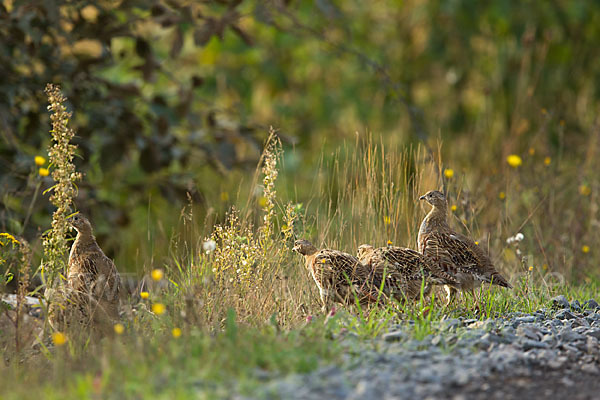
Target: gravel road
x=550, y=353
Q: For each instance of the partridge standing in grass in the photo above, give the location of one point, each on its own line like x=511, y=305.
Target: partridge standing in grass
x=406, y=271
x=340, y=276
x=91, y=293
x=456, y=254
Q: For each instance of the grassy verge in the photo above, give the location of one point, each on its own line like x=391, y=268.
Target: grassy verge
x=224, y=302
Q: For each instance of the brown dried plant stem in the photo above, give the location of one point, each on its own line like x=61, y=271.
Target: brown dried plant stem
x=61, y=154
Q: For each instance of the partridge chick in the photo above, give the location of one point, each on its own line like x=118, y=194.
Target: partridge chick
x=340, y=276
x=405, y=271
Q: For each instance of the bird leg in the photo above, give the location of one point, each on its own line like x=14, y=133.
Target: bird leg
x=450, y=294
x=476, y=302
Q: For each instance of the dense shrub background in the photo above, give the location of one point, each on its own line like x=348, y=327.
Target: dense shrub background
x=172, y=101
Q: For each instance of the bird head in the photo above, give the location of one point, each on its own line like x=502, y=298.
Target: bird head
x=363, y=250
x=304, y=247
x=435, y=198
x=80, y=223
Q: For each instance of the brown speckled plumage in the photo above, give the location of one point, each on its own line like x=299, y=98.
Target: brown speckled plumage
x=340, y=276
x=456, y=254
x=91, y=293
x=406, y=271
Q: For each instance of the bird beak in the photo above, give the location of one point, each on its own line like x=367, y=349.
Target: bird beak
x=422, y=197
x=295, y=248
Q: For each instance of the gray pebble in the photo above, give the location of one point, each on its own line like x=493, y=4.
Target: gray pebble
x=394, y=336
x=591, y=304
x=529, y=344
x=564, y=314
x=560, y=302
x=569, y=335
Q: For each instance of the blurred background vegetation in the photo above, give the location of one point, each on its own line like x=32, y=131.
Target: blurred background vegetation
x=172, y=102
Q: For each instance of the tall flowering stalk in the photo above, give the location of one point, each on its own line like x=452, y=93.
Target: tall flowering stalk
x=61, y=154
x=269, y=170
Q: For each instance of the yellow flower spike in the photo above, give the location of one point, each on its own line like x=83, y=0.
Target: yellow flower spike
x=585, y=190
x=158, y=308
x=477, y=243
x=43, y=171
x=502, y=195
x=531, y=151
x=119, y=329
x=449, y=173
x=530, y=268
x=144, y=295
x=453, y=207
x=547, y=161
x=224, y=196
x=157, y=274
x=39, y=161
x=387, y=220
x=585, y=248
x=514, y=160
x=59, y=338
x=176, y=332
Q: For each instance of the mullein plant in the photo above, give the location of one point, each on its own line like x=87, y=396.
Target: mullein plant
x=64, y=190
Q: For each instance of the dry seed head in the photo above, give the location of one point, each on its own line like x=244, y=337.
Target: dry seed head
x=61, y=155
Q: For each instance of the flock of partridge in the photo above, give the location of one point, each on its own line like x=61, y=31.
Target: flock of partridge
x=445, y=257
x=91, y=293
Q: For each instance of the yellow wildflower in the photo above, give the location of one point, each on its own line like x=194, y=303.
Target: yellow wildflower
x=262, y=201
x=43, y=172
x=176, y=332
x=585, y=190
x=119, y=329
x=387, y=220
x=585, y=248
x=224, y=196
x=9, y=237
x=389, y=242
x=39, y=161
x=453, y=207
x=514, y=160
x=530, y=268
x=477, y=243
x=547, y=161
x=158, y=308
x=449, y=173
x=157, y=274
x=144, y=295
x=59, y=338
x=502, y=195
